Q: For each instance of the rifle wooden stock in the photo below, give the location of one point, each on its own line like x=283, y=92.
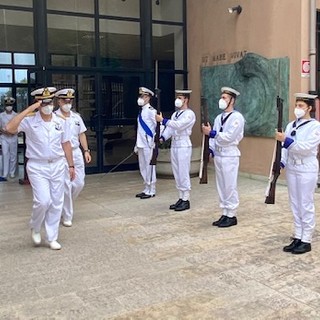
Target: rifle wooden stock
x=155, y=150
x=205, y=153
x=276, y=167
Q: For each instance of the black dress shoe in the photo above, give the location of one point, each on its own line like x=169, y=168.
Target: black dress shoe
x=216, y=223
x=184, y=205
x=228, y=222
x=147, y=196
x=173, y=206
x=303, y=247
x=139, y=195
x=292, y=245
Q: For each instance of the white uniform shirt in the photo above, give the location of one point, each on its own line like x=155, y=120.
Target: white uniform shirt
x=179, y=128
x=226, y=141
x=4, y=119
x=301, y=154
x=148, y=114
x=44, y=139
x=77, y=127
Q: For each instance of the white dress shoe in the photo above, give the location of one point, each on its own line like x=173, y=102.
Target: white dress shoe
x=12, y=175
x=36, y=237
x=67, y=223
x=54, y=245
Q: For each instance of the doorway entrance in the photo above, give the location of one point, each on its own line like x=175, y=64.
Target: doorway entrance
x=107, y=104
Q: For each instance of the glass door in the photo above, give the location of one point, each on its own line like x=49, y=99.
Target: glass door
x=107, y=104
x=119, y=109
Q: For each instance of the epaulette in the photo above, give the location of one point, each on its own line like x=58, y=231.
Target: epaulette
x=31, y=114
x=151, y=108
x=61, y=116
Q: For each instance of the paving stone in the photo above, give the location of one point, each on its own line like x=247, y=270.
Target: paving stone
x=127, y=258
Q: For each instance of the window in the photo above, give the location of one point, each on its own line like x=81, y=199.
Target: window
x=5, y=92
x=17, y=3
x=120, y=43
x=129, y=8
x=24, y=59
x=5, y=58
x=168, y=46
x=167, y=10
x=14, y=76
x=6, y=75
x=72, y=36
x=20, y=76
x=16, y=31
x=80, y=6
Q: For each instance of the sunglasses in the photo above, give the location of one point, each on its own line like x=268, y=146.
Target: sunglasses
x=46, y=101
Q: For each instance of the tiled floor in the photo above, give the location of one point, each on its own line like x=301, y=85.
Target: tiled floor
x=126, y=258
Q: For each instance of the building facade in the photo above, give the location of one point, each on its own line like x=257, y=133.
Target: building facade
x=105, y=50
x=271, y=29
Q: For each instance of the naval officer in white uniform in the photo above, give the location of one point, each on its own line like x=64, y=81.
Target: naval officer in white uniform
x=299, y=156
x=179, y=129
x=49, y=155
x=9, y=142
x=78, y=138
x=145, y=143
x=227, y=132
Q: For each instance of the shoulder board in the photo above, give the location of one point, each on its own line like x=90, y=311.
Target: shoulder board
x=61, y=116
x=31, y=114
x=151, y=108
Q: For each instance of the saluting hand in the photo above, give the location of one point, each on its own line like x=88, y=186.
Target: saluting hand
x=34, y=106
x=206, y=128
x=280, y=136
x=159, y=117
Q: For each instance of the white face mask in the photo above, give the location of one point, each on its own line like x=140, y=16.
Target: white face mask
x=66, y=107
x=222, y=104
x=178, y=103
x=140, y=102
x=9, y=108
x=47, y=109
x=299, y=113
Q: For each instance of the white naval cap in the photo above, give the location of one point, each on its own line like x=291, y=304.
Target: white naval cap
x=144, y=90
x=232, y=92
x=305, y=97
x=9, y=101
x=67, y=93
x=183, y=92
x=44, y=93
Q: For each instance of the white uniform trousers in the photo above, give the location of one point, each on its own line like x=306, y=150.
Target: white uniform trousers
x=148, y=172
x=226, y=170
x=47, y=181
x=9, y=155
x=180, y=163
x=73, y=188
x=301, y=188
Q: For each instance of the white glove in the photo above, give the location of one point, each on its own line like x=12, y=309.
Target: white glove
x=135, y=149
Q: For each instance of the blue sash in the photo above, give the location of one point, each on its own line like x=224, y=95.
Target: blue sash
x=145, y=126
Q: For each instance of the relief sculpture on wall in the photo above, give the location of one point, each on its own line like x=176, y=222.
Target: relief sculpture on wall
x=259, y=81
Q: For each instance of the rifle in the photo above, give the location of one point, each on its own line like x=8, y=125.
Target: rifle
x=205, y=153
x=275, y=172
x=153, y=160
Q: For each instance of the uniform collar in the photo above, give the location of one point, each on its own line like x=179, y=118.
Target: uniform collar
x=146, y=106
x=61, y=114
x=38, y=117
